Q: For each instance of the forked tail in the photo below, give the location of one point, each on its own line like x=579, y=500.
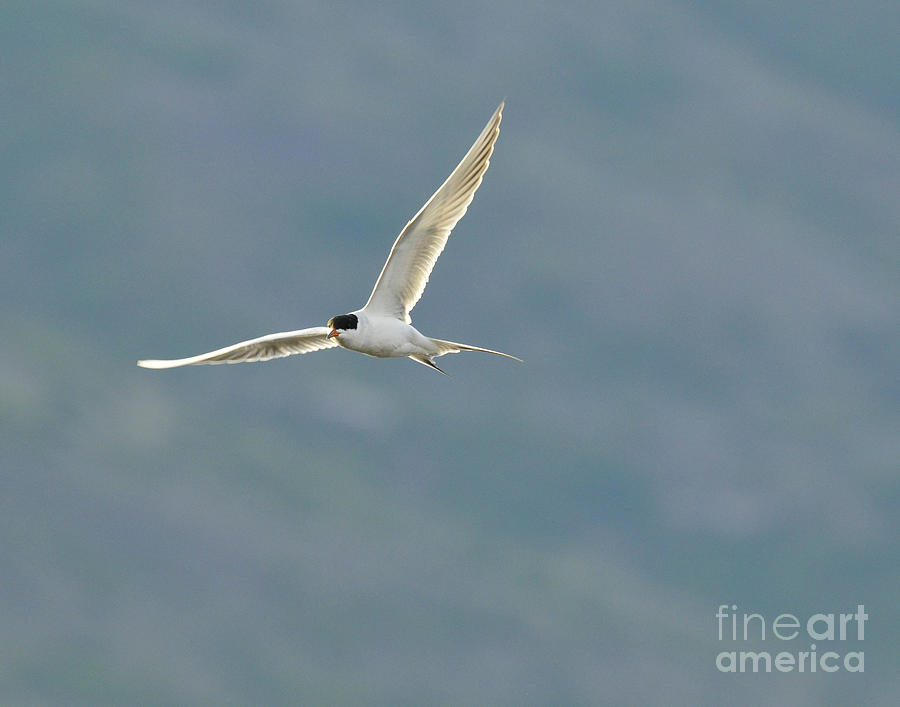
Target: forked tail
x=447, y=347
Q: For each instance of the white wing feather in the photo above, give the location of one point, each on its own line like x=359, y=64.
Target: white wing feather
x=405, y=274
x=263, y=348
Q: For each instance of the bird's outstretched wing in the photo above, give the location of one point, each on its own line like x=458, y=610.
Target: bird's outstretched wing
x=286, y=343
x=405, y=274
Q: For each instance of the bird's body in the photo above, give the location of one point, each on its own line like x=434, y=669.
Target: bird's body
x=385, y=337
x=383, y=327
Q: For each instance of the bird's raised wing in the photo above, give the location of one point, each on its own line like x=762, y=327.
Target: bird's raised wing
x=286, y=343
x=405, y=274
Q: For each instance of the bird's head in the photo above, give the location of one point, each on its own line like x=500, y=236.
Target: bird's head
x=341, y=323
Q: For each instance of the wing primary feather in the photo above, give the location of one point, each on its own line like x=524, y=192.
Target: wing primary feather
x=413, y=255
x=263, y=348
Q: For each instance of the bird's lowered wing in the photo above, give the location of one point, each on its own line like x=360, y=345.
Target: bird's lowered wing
x=405, y=274
x=263, y=348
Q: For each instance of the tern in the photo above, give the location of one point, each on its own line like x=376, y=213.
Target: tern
x=382, y=327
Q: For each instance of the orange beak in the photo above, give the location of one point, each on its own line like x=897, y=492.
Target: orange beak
x=334, y=332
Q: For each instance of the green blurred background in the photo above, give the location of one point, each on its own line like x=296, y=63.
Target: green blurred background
x=689, y=231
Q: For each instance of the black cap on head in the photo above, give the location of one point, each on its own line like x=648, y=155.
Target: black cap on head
x=343, y=322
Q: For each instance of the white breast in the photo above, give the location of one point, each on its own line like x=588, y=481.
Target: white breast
x=385, y=337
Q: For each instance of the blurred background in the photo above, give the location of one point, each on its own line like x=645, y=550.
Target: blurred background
x=689, y=231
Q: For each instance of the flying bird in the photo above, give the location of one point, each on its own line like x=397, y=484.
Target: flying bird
x=382, y=327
